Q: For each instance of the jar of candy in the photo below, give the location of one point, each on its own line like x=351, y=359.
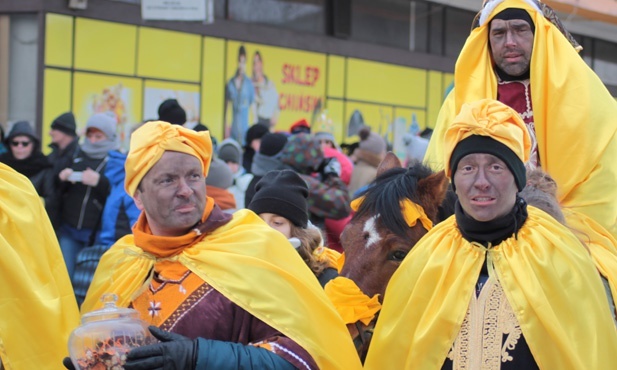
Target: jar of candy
x=106, y=336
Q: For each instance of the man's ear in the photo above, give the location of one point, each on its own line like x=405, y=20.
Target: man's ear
x=137, y=199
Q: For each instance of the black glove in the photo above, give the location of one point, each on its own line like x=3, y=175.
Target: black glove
x=174, y=352
x=329, y=167
x=68, y=363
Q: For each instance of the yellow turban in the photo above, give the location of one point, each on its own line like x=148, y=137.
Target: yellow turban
x=150, y=141
x=495, y=120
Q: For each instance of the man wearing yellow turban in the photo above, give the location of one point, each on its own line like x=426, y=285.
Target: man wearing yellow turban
x=38, y=309
x=499, y=285
x=223, y=291
x=521, y=58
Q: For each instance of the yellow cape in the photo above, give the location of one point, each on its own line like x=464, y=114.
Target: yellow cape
x=547, y=276
x=37, y=303
x=574, y=116
x=255, y=267
x=602, y=246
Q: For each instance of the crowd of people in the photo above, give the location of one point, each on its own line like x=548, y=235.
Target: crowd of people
x=225, y=248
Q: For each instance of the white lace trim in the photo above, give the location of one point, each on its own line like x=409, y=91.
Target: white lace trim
x=277, y=346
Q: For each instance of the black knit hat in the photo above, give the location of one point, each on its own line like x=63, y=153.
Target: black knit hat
x=272, y=144
x=485, y=144
x=65, y=123
x=171, y=111
x=516, y=13
x=257, y=131
x=284, y=193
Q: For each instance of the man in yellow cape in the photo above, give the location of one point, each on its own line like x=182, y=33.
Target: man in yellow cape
x=569, y=112
x=498, y=284
x=231, y=284
x=37, y=304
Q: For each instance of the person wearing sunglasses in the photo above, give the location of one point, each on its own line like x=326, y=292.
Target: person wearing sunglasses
x=24, y=156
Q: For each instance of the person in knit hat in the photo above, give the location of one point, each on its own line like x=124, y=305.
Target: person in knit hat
x=230, y=289
x=281, y=201
x=220, y=179
x=25, y=156
x=230, y=152
x=64, y=144
x=84, y=188
x=65, y=123
x=171, y=111
x=267, y=159
x=366, y=158
x=253, y=142
x=498, y=273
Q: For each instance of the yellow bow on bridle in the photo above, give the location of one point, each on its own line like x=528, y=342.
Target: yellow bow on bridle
x=412, y=212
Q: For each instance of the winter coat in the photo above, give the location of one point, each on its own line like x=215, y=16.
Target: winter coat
x=242, y=180
x=59, y=159
x=62, y=158
x=120, y=212
x=82, y=205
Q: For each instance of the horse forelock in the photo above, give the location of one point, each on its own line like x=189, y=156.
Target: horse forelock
x=383, y=197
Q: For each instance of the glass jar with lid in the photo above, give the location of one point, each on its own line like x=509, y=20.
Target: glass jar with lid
x=106, y=336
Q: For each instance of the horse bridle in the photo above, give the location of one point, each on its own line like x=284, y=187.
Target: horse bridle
x=362, y=338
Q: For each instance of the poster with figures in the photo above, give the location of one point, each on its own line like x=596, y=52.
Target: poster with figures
x=272, y=86
x=122, y=96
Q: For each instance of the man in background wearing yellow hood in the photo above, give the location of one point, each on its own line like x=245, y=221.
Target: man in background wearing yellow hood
x=519, y=56
x=38, y=309
x=499, y=285
x=232, y=290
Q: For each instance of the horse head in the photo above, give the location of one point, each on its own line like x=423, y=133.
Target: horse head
x=379, y=236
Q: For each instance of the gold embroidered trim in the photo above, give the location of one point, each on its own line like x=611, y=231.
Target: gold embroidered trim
x=480, y=343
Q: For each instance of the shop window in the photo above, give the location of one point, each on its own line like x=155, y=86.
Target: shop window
x=457, y=29
x=299, y=15
x=384, y=22
x=605, y=61
x=587, y=52
x=436, y=36
x=420, y=21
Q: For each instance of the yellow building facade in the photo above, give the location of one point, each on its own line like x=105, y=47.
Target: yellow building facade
x=93, y=66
